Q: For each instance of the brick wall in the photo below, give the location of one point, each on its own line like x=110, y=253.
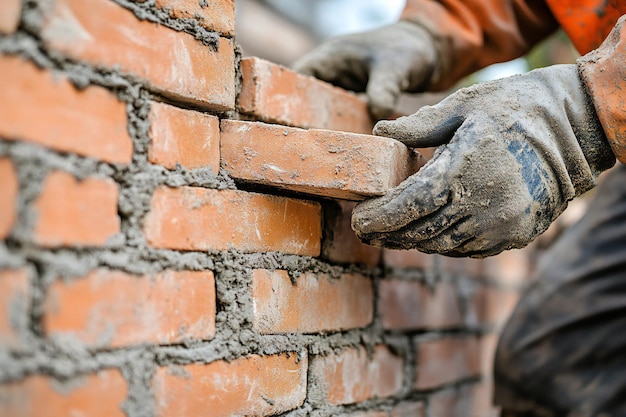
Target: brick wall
x=176, y=240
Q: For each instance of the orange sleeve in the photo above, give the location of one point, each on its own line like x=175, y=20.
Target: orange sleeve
x=604, y=73
x=471, y=34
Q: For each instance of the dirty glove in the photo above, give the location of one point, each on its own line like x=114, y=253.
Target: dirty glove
x=383, y=63
x=515, y=152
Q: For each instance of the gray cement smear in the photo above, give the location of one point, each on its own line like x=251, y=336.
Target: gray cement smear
x=66, y=359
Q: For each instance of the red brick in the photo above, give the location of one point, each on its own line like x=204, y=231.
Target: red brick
x=76, y=213
x=275, y=94
x=340, y=244
x=467, y=267
x=471, y=401
x=48, y=110
x=408, y=259
x=172, y=63
x=492, y=305
x=116, y=309
x=451, y=404
x=512, y=267
x=14, y=306
x=97, y=395
x=10, y=16
x=411, y=305
x=313, y=304
x=190, y=218
x=351, y=376
x=184, y=137
x=253, y=386
x=320, y=162
x=409, y=410
x=9, y=185
x=488, y=345
x=217, y=15
x=443, y=361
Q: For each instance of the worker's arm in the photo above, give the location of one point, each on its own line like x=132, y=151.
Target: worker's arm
x=514, y=152
x=434, y=44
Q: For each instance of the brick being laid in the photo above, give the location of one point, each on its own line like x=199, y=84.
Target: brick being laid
x=327, y=163
x=275, y=94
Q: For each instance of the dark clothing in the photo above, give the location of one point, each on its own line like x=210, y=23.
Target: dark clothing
x=563, y=351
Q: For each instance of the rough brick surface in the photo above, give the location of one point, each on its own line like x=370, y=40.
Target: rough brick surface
x=76, y=213
x=320, y=162
x=183, y=137
x=10, y=16
x=116, y=309
x=9, y=185
x=274, y=94
x=351, y=376
x=14, y=307
x=412, y=305
x=53, y=113
x=218, y=15
x=172, y=63
x=469, y=401
x=340, y=244
x=443, y=361
x=97, y=395
x=253, y=386
x=313, y=304
x=190, y=218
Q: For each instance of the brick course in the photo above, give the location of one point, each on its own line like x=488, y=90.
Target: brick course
x=352, y=376
x=253, y=386
x=275, y=94
x=313, y=304
x=97, y=395
x=90, y=122
x=180, y=219
x=332, y=164
x=117, y=309
x=183, y=137
x=443, y=361
x=195, y=73
x=76, y=213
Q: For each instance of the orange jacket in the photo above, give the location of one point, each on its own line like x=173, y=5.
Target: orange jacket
x=472, y=34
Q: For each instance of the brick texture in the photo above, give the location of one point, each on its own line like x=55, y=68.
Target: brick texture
x=313, y=304
x=340, y=244
x=412, y=305
x=97, y=395
x=76, y=213
x=253, y=386
x=274, y=94
x=443, y=361
x=183, y=137
x=10, y=16
x=351, y=376
x=190, y=218
x=469, y=401
x=115, y=309
x=9, y=185
x=90, y=122
x=217, y=15
x=319, y=162
x=14, y=307
x=172, y=63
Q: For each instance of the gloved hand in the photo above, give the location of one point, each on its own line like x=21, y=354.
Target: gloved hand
x=515, y=152
x=383, y=63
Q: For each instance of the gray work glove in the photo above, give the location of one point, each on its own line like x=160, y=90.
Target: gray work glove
x=515, y=152
x=382, y=63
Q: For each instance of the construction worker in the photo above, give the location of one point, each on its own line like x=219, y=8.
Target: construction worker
x=512, y=153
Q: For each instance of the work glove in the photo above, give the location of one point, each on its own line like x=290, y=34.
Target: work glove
x=514, y=152
x=382, y=63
